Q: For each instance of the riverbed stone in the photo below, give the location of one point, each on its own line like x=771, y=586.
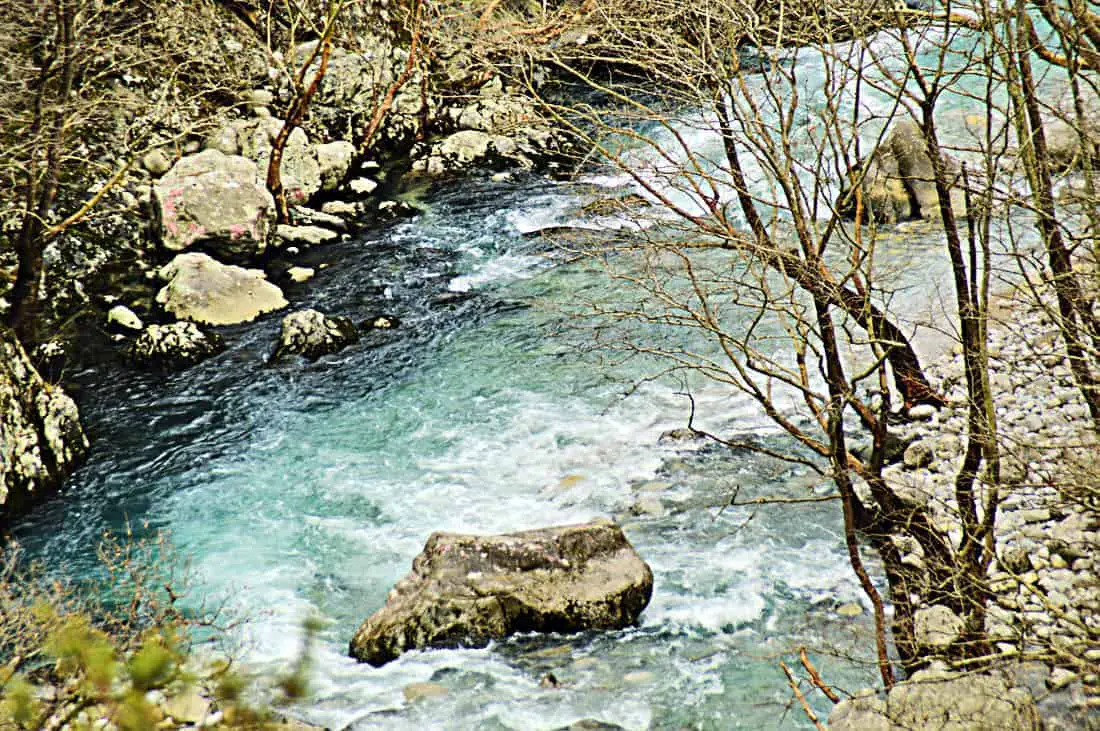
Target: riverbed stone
x=334, y=159
x=203, y=290
x=942, y=700
x=304, y=236
x=465, y=590
x=898, y=183
x=311, y=334
x=215, y=201
x=41, y=439
x=121, y=317
x=171, y=347
x=936, y=627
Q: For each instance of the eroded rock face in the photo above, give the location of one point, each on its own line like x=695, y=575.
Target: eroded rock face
x=206, y=291
x=937, y=699
x=899, y=184
x=311, y=334
x=217, y=201
x=40, y=435
x=173, y=347
x=465, y=590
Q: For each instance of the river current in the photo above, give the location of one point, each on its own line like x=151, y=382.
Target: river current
x=305, y=489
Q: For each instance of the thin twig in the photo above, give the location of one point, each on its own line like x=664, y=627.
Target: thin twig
x=815, y=677
x=793, y=682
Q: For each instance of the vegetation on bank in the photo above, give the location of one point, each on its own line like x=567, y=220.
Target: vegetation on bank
x=125, y=650
x=758, y=232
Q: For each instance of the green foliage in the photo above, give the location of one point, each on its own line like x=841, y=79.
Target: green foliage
x=119, y=652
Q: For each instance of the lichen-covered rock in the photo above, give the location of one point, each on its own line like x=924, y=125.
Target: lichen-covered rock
x=217, y=201
x=940, y=700
x=465, y=590
x=898, y=182
x=173, y=347
x=204, y=290
x=40, y=435
x=311, y=334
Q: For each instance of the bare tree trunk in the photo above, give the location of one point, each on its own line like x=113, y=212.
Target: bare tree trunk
x=1074, y=310
x=299, y=105
x=40, y=195
x=834, y=375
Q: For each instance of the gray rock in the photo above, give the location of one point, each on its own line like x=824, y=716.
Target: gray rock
x=591, y=724
x=41, y=439
x=121, y=317
x=936, y=627
x=215, y=200
x=224, y=141
x=466, y=590
x=1015, y=560
x=259, y=98
x=300, y=274
x=340, y=208
x=1064, y=142
x=300, y=171
x=173, y=347
x=334, y=159
x=304, y=236
x=922, y=412
x=864, y=711
x=311, y=334
x=918, y=454
x=362, y=186
x=898, y=182
x=156, y=162
x=203, y=290
x=311, y=217
x=940, y=700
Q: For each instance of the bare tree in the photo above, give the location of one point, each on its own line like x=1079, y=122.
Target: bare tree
x=79, y=105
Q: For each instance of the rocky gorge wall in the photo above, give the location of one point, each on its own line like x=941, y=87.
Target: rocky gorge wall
x=41, y=439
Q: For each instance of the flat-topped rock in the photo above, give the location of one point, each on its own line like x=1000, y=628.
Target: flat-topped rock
x=203, y=290
x=465, y=590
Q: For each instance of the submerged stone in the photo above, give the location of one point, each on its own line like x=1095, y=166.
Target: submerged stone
x=465, y=590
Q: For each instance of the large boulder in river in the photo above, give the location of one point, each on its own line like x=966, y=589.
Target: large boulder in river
x=898, y=181
x=206, y=291
x=217, y=201
x=311, y=334
x=465, y=590
x=40, y=435
x=173, y=347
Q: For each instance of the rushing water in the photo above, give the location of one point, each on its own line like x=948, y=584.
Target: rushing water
x=304, y=490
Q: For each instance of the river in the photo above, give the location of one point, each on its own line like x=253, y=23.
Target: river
x=304, y=490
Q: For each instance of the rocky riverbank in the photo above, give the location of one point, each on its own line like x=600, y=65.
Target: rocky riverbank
x=1045, y=592
x=187, y=238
